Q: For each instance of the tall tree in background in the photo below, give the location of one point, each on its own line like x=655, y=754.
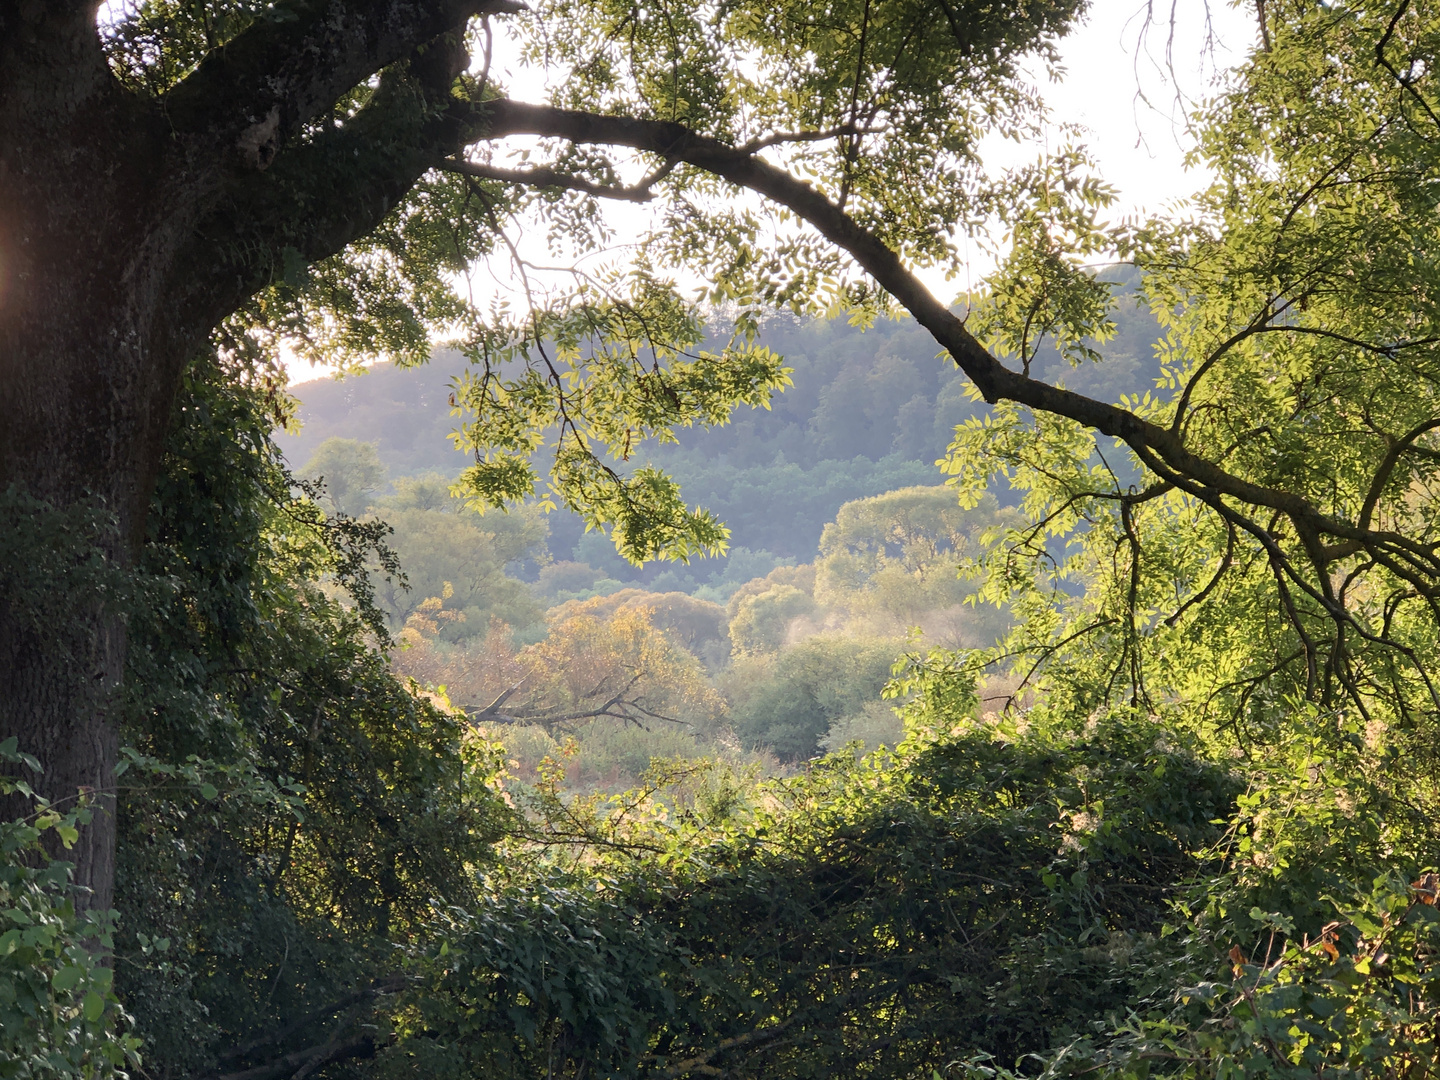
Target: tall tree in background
x=1281, y=543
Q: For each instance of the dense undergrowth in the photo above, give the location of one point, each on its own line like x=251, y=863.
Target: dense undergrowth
x=345, y=874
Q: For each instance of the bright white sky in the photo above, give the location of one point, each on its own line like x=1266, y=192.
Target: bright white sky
x=1140, y=146
x=1116, y=85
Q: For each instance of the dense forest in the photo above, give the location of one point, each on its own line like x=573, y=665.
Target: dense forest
x=779, y=651
x=808, y=677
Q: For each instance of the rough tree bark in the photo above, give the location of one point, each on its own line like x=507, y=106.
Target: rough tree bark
x=83, y=367
x=130, y=226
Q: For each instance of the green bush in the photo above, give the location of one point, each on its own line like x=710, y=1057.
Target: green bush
x=982, y=890
x=787, y=703
x=59, y=1016
x=1313, y=952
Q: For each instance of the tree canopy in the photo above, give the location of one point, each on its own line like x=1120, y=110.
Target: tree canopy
x=321, y=174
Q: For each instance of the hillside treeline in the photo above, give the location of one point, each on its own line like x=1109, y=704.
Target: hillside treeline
x=870, y=411
x=791, y=664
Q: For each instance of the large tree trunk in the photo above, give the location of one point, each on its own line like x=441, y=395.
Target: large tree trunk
x=85, y=397
x=78, y=438
x=132, y=224
x=88, y=366
x=61, y=708
x=83, y=433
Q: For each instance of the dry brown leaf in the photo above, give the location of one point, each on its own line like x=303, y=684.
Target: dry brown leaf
x=1427, y=889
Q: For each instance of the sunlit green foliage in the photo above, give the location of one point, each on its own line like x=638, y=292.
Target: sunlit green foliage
x=787, y=702
x=890, y=102
x=762, y=621
x=1311, y=952
x=1299, y=355
x=869, y=412
x=829, y=924
x=1194, y=837
x=350, y=472
x=611, y=396
x=1310, y=378
x=456, y=548
x=59, y=1017
x=899, y=556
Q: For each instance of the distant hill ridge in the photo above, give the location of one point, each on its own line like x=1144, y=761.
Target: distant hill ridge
x=870, y=412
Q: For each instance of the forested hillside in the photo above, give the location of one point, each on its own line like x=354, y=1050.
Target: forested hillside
x=764, y=657
x=870, y=411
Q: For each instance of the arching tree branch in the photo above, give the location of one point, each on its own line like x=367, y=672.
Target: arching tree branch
x=1165, y=448
x=546, y=177
x=276, y=76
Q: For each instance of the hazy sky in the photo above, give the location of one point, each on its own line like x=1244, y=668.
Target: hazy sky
x=1118, y=85
x=1140, y=146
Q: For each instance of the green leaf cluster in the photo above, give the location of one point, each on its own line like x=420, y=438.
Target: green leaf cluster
x=59, y=1016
